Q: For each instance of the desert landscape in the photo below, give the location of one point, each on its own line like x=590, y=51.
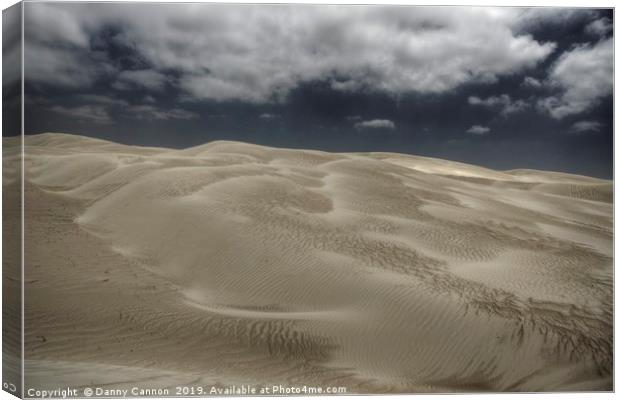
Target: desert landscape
x=232, y=263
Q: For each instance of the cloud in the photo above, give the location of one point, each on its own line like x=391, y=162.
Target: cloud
x=90, y=113
x=600, y=27
x=57, y=46
x=534, y=18
x=258, y=53
x=503, y=103
x=11, y=45
x=353, y=118
x=375, y=124
x=583, y=75
x=61, y=67
x=55, y=25
x=530, y=82
x=101, y=108
x=268, y=116
x=586, y=126
x=100, y=99
x=478, y=130
x=147, y=79
x=149, y=112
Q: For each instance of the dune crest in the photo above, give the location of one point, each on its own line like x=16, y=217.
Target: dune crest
x=380, y=272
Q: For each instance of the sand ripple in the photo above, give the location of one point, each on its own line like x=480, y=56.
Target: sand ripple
x=381, y=272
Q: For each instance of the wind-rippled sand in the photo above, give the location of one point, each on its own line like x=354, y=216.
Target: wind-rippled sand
x=232, y=263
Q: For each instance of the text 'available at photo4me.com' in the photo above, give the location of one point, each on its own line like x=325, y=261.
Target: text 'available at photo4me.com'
x=183, y=391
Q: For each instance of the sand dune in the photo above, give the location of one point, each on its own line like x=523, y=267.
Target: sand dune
x=234, y=263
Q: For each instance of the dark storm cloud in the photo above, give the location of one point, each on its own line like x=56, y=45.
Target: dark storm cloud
x=146, y=78
x=11, y=71
x=97, y=114
x=98, y=99
x=444, y=81
x=11, y=49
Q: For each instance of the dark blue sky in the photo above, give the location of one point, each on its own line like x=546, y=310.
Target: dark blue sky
x=503, y=88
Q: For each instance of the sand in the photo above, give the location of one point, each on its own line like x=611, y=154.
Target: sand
x=232, y=263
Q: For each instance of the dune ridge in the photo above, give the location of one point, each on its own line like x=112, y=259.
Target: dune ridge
x=380, y=272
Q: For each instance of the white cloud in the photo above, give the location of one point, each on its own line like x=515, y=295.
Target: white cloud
x=586, y=126
x=584, y=75
x=353, y=117
x=99, y=109
x=478, y=130
x=503, y=103
x=90, y=113
x=55, y=25
x=260, y=53
x=531, y=82
x=150, y=112
x=599, y=27
x=375, y=124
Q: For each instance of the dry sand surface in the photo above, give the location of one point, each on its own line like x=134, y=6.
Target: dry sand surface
x=232, y=263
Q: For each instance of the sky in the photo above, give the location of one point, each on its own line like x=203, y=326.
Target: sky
x=499, y=87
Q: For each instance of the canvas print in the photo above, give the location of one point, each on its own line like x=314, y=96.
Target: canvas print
x=230, y=199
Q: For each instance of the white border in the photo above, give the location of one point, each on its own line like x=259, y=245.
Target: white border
x=486, y=3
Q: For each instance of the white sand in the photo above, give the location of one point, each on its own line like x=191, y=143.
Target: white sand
x=380, y=272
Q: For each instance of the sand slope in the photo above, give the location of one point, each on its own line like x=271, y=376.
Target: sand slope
x=380, y=272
